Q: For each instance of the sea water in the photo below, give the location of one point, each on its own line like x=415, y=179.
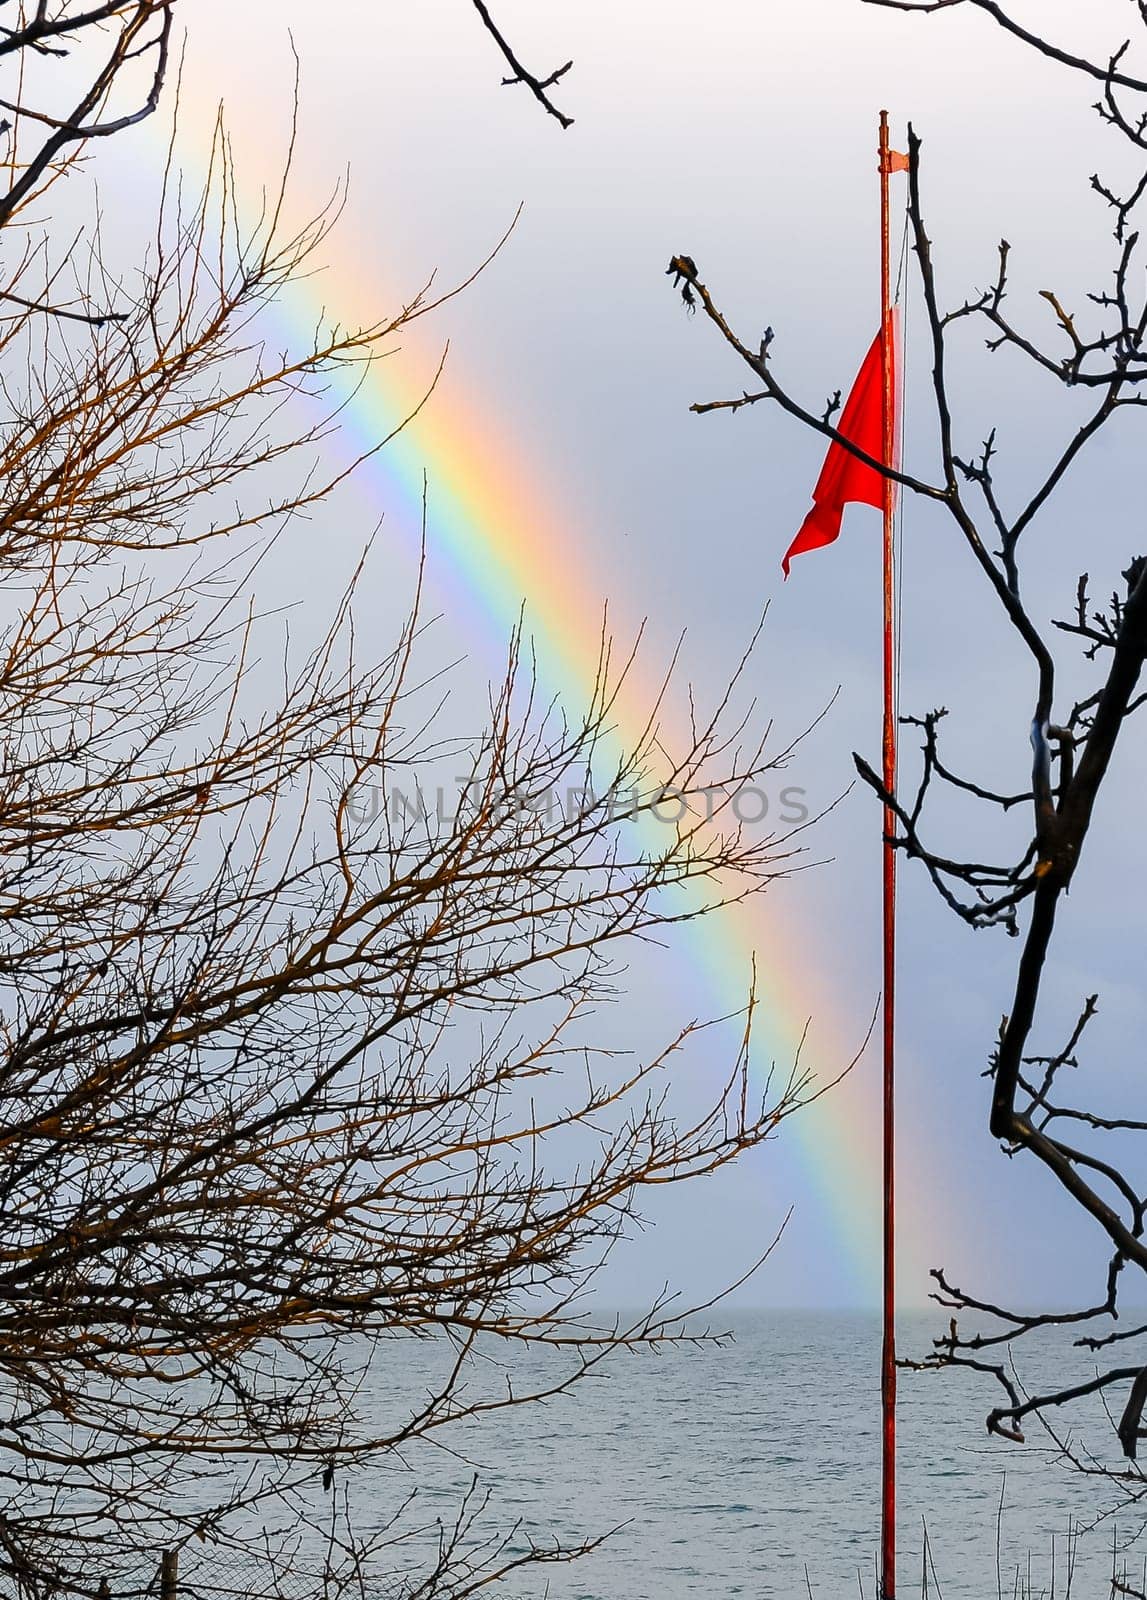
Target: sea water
x=752, y=1468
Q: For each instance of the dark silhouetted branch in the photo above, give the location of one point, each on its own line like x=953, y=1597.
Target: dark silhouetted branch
x=538, y=87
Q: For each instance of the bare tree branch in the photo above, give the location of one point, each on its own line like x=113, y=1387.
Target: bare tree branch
x=294, y=1062
x=538, y=87
x=1092, y=69
x=1097, y=347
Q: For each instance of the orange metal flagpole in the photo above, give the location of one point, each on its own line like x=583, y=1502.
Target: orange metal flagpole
x=888, y=1351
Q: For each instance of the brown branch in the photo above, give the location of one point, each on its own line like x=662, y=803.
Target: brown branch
x=286, y=1076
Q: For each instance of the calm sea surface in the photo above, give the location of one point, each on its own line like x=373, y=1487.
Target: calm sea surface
x=735, y=1469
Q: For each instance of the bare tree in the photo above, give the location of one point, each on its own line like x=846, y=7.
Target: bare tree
x=292, y=1064
x=1100, y=354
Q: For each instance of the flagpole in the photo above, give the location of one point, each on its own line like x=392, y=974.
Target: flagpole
x=888, y=1012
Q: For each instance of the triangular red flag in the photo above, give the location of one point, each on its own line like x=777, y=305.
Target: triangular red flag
x=844, y=478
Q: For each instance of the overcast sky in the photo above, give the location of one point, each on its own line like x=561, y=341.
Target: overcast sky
x=742, y=133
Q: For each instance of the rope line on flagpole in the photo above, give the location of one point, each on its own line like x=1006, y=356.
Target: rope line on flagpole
x=901, y=274
x=900, y=270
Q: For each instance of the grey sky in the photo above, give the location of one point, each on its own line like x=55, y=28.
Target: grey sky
x=744, y=135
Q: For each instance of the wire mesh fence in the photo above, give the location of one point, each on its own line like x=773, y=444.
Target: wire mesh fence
x=198, y=1580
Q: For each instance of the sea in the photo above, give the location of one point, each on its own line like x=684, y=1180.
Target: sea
x=751, y=1467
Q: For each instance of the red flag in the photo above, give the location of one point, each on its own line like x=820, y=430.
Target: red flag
x=844, y=478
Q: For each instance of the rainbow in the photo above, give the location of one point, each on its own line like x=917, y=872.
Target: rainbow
x=495, y=544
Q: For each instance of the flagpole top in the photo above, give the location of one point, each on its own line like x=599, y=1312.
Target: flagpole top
x=890, y=160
